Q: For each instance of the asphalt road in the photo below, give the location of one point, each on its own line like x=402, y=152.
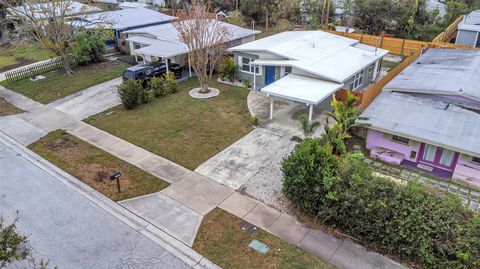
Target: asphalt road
x=66, y=228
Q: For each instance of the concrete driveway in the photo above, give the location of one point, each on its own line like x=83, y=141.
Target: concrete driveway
x=68, y=229
x=236, y=164
x=90, y=101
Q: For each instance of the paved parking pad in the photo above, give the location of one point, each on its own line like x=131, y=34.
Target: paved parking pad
x=241, y=160
x=167, y=214
x=22, y=131
x=198, y=192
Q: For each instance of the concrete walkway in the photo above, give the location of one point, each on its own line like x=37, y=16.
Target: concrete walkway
x=197, y=192
x=90, y=101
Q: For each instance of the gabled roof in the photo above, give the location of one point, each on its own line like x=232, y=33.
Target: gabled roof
x=471, y=22
x=164, y=40
x=441, y=71
x=123, y=19
x=39, y=10
x=426, y=120
x=323, y=54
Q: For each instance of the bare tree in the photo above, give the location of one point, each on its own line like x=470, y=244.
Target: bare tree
x=44, y=23
x=205, y=38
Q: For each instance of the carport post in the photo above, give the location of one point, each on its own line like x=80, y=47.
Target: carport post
x=254, y=80
x=189, y=66
x=136, y=58
x=166, y=65
x=271, y=107
x=310, y=113
x=144, y=62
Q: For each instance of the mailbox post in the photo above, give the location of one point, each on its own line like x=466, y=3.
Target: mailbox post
x=116, y=176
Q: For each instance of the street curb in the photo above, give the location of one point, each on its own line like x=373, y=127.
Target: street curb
x=172, y=245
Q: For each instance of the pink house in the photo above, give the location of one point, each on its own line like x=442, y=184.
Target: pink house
x=428, y=117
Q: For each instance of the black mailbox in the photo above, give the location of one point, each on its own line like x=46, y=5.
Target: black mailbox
x=115, y=175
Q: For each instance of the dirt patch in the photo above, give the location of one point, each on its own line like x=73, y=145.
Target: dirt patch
x=94, y=166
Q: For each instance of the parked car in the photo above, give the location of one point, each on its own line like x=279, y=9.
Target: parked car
x=146, y=72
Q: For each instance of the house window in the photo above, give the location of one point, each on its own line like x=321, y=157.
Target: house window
x=476, y=160
x=413, y=155
x=357, y=80
x=136, y=45
x=400, y=139
x=288, y=70
x=244, y=64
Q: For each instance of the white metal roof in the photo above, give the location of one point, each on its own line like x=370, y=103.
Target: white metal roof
x=302, y=89
x=69, y=7
x=441, y=71
x=164, y=39
x=471, y=22
x=126, y=5
x=320, y=53
x=123, y=19
x=426, y=120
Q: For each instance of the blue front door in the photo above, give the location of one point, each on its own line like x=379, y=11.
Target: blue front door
x=269, y=74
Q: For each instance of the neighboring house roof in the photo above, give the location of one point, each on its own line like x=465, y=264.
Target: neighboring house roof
x=126, y=5
x=122, y=19
x=308, y=90
x=426, y=120
x=322, y=54
x=441, y=71
x=164, y=40
x=471, y=22
x=432, y=5
x=40, y=10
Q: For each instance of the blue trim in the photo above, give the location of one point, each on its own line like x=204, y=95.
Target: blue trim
x=269, y=74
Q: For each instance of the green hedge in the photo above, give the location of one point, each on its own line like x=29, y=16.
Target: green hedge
x=434, y=231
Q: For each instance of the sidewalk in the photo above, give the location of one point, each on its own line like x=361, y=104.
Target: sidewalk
x=200, y=193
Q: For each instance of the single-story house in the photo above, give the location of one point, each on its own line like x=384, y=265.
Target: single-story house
x=161, y=42
x=127, y=5
x=120, y=21
x=307, y=66
x=469, y=29
x=428, y=117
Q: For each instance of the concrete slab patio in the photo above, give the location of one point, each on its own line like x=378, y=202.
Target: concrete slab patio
x=90, y=101
x=237, y=163
x=174, y=218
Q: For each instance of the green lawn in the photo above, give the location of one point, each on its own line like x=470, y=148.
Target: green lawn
x=93, y=166
x=57, y=84
x=221, y=240
x=19, y=55
x=8, y=109
x=180, y=128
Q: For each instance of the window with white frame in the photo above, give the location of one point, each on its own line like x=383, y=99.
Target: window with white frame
x=357, y=80
x=245, y=66
x=288, y=70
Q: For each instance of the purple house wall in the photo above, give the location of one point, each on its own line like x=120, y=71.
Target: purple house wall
x=377, y=139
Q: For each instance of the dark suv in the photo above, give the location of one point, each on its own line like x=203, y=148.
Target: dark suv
x=146, y=72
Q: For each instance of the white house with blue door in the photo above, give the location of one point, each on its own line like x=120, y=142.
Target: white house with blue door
x=120, y=21
x=307, y=66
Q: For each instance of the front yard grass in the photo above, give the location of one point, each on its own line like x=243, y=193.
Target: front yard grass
x=57, y=84
x=180, y=128
x=18, y=55
x=8, y=109
x=221, y=240
x=93, y=166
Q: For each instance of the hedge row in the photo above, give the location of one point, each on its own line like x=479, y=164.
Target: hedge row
x=408, y=221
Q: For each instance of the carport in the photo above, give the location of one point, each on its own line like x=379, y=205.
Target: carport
x=162, y=49
x=302, y=89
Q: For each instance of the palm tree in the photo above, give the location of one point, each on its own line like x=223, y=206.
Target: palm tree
x=346, y=114
x=308, y=127
x=335, y=138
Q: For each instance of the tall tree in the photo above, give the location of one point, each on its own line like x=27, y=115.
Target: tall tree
x=205, y=38
x=43, y=23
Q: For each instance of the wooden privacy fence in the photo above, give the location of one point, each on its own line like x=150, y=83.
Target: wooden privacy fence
x=33, y=70
x=448, y=33
x=366, y=97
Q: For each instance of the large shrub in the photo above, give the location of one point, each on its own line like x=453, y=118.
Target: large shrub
x=170, y=83
x=432, y=230
x=228, y=68
x=158, y=86
x=130, y=90
x=88, y=48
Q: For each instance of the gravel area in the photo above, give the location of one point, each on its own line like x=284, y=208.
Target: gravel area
x=266, y=184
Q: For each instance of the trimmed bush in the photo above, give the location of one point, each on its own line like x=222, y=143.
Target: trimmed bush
x=408, y=221
x=171, y=83
x=129, y=92
x=144, y=96
x=158, y=86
